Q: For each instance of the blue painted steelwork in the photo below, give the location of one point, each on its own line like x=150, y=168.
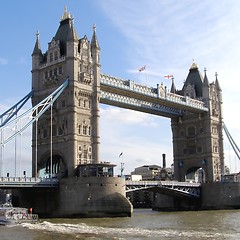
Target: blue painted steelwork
x=232, y=142
x=185, y=188
x=35, y=112
x=14, y=110
x=139, y=105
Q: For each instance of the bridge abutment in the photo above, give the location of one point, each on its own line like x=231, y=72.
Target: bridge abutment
x=77, y=197
x=220, y=195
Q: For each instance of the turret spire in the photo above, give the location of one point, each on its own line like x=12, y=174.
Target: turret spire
x=94, y=42
x=37, y=48
x=173, y=88
x=205, y=79
x=66, y=14
x=217, y=83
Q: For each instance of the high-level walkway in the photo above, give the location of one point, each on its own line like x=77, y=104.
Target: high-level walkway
x=128, y=94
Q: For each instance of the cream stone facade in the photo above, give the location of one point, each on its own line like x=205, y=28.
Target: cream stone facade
x=68, y=135
x=198, y=138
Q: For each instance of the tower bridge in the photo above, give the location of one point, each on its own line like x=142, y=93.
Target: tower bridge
x=66, y=136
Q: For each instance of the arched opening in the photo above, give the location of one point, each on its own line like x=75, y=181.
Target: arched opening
x=195, y=174
x=58, y=167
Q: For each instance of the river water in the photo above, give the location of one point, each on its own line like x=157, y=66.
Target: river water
x=144, y=224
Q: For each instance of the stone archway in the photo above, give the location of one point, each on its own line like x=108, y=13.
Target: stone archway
x=58, y=166
x=195, y=174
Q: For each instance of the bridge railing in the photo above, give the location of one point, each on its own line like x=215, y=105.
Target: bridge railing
x=162, y=183
x=28, y=181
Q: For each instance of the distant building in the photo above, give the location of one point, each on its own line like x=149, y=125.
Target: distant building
x=154, y=172
x=148, y=172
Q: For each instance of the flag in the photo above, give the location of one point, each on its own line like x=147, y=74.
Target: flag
x=142, y=68
x=120, y=154
x=168, y=76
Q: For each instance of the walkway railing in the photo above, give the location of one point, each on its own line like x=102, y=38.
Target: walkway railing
x=14, y=182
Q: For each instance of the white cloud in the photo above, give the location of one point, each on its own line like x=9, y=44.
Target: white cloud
x=22, y=60
x=3, y=61
x=141, y=137
x=167, y=35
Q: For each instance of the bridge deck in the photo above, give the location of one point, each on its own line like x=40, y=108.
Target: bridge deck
x=162, y=183
x=186, y=189
x=17, y=182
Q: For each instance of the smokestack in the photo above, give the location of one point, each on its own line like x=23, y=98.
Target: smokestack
x=164, y=160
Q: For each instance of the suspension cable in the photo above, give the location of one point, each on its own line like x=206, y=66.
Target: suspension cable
x=232, y=142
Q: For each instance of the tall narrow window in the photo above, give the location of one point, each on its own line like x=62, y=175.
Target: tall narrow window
x=51, y=57
x=55, y=55
x=85, y=130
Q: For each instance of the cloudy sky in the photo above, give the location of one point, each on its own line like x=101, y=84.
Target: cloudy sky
x=165, y=35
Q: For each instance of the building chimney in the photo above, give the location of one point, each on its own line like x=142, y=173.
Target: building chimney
x=164, y=160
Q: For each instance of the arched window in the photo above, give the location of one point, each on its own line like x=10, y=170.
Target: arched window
x=85, y=103
x=80, y=129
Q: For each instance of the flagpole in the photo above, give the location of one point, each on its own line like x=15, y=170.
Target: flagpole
x=122, y=165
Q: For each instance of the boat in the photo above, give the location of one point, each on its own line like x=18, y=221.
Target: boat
x=10, y=215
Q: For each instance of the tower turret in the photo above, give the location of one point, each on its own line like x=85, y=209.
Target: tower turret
x=205, y=89
x=95, y=50
x=37, y=57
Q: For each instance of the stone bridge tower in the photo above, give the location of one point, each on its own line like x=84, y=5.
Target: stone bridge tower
x=198, y=138
x=75, y=123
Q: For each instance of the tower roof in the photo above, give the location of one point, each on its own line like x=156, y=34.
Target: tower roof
x=65, y=31
x=194, y=78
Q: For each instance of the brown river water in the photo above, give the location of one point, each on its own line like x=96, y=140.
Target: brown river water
x=144, y=224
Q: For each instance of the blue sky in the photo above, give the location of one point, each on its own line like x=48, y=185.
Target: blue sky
x=164, y=35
